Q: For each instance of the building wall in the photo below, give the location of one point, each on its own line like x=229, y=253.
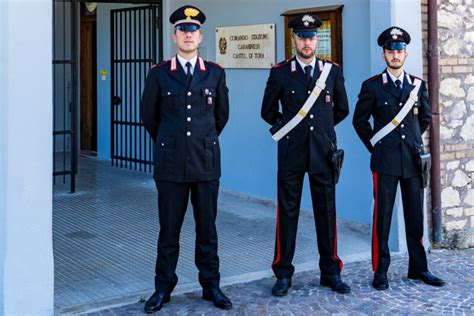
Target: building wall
x=3, y=138
x=26, y=250
x=456, y=40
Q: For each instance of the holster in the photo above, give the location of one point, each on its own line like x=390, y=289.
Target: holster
x=337, y=159
x=425, y=167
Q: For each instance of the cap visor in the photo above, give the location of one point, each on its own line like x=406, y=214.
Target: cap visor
x=395, y=45
x=187, y=27
x=305, y=34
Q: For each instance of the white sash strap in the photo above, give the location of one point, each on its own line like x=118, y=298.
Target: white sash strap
x=320, y=85
x=400, y=116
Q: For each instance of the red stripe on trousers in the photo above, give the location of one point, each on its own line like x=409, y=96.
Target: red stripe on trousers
x=277, y=237
x=341, y=264
x=375, y=240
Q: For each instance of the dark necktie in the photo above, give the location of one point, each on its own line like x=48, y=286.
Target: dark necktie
x=189, y=76
x=307, y=71
x=398, y=83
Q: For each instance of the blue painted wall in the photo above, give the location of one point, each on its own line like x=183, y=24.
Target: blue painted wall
x=248, y=152
x=3, y=140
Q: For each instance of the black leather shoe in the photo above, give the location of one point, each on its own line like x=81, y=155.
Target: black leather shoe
x=218, y=298
x=380, y=281
x=335, y=283
x=156, y=301
x=427, y=277
x=281, y=287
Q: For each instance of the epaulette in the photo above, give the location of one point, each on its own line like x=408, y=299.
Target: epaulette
x=415, y=77
x=280, y=64
x=332, y=62
x=159, y=64
x=214, y=64
x=374, y=77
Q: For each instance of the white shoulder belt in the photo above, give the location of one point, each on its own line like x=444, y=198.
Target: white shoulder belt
x=384, y=131
x=320, y=85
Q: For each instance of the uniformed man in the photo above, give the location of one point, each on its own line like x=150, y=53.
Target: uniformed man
x=304, y=128
x=184, y=108
x=398, y=104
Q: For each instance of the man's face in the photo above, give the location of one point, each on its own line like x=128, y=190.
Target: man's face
x=187, y=41
x=394, y=59
x=305, y=47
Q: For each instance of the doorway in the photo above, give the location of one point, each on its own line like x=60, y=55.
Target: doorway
x=88, y=82
x=134, y=50
x=77, y=106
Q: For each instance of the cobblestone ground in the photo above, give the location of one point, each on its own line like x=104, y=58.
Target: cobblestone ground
x=306, y=297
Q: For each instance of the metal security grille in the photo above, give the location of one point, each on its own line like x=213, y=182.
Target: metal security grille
x=133, y=51
x=65, y=92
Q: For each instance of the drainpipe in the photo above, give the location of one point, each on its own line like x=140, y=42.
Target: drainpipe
x=433, y=88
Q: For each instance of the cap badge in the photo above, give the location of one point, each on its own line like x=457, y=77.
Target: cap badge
x=190, y=13
x=307, y=19
x=395, y=33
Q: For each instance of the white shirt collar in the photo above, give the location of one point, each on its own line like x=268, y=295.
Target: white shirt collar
x=401, y=77
x=183, y=62
x=312, y=63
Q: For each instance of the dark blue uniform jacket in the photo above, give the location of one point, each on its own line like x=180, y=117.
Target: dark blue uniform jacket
x=397, y=153
x=185, y=122
x=308, y=146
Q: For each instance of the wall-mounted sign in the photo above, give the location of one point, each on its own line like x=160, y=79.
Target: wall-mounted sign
x=247, y=46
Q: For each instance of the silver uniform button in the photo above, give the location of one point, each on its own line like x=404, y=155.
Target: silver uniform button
x=214, y=143
x=311, y=128
x=189, y=106
x=188, y=119
x=400, y=104
x=309, y=91
x=403, y=136
x=287, y=137
x=188, y=133
x=386, y=103
x=293, y=91
x=189, y=93
x=311, y=116
x=169, y=93
x=162, y=144
x=402, y=126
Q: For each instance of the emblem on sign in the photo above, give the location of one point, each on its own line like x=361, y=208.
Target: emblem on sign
x=222, y=45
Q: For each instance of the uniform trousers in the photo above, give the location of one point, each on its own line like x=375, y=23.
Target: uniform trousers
x=173, y=200
x=290, y=187
x=385, y=189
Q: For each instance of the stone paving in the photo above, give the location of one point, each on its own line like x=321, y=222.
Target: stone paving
x=307, y=297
